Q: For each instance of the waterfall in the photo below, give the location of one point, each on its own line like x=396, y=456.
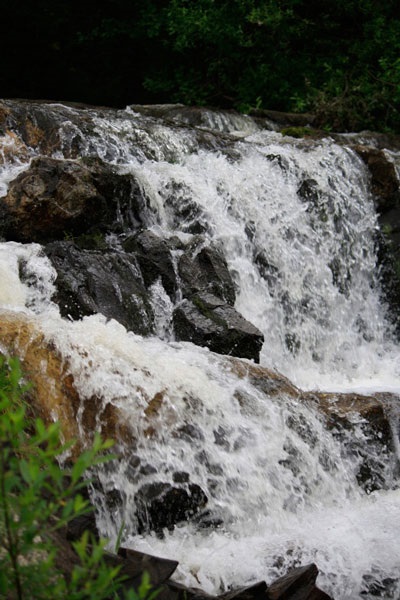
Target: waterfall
x=297, y=225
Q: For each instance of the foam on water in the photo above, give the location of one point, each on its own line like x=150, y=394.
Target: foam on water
x=354, y=545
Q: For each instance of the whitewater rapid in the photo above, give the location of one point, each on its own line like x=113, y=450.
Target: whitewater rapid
x=297, y=226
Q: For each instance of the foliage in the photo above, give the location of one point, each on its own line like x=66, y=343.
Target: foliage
x=38, y=499
x=338, y=58
x=298, y=132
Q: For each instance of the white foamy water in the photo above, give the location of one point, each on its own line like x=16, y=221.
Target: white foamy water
x=297, y=229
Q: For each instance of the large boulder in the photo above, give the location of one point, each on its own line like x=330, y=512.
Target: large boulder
x=154, y=255
x=107, y=282
x=208, y=321
x=203, y=268
x=58, y=198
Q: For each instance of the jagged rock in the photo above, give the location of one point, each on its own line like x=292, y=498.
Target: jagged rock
x=160, y=505
x=133, y=564
x=177, y=591
x=298, y=584
x=203, y=268
x=55, y=198
x=107, y=282
x=253, y=592
x=155, y=259
x=208, y=321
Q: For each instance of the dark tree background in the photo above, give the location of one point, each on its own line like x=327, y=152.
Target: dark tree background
x=337, y=58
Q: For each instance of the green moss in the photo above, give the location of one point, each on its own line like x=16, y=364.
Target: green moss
x=298, y=132
x=387, y=229
x=206, y=311
x=87, y=241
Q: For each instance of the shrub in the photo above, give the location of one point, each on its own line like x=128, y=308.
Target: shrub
x=37, y=499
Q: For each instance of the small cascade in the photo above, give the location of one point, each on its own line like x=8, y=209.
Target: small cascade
x=269, y=479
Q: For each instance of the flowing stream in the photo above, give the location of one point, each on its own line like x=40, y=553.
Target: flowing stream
x=297, y=225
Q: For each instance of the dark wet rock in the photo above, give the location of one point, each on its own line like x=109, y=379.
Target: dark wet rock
x=253, y=592
x=203, y=268
x=177, y=591
x=160, y=505
x=309, y=191
x=110, y=283
x=376, y=585
x=298, y=584
x=190, y=433
x=78, y=525
x=153, y=254
x=208, y=321
x=55, y=198
x=134, y=564
x=36, y=123
x=284, y=119
x=388, y=253
x=183, y=211
x=267, y=270
x=209, y=520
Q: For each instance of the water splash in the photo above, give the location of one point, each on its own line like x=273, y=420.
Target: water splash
x=297, y=225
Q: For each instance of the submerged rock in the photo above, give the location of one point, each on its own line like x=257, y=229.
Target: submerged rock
x=208, y=321
x=160, y=505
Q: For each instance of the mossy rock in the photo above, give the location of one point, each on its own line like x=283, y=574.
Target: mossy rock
x=299, y=132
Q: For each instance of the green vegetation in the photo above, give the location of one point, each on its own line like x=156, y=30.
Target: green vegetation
x=299, y=132
x=339, y=59
x=37, y=500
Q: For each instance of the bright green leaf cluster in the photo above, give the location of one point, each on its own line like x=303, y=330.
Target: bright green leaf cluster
x=37, y=499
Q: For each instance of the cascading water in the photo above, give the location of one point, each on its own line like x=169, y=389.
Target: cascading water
x=297, y=226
